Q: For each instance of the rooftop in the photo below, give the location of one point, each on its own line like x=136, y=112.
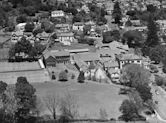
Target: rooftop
x=65, y=34
x=128, y=57
x=90, y=56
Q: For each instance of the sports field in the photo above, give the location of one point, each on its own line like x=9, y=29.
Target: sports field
x=90, y=96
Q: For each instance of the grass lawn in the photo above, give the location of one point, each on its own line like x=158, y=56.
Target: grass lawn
x=90, y=97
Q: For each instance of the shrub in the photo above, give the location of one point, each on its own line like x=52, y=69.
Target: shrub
x=72, y=76
x=159, y=80
x=81, y=77
x=63, y=76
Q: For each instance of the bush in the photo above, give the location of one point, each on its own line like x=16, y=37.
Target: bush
x=164, y=69
x=81, y=77
x=159, y=80
x=72, y=76
x=63, y=76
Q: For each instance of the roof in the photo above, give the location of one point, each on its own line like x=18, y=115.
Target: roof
x=128, y=57
x=54, y=53
x=65, y=34
x=89, y=56
x=78, y=24
x=61, y=25
x=111, y=63
x=4, y=53
x=17, y=33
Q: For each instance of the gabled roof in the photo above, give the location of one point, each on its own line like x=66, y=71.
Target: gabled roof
x=65, y=34
x=123, y=57
x=90, y=56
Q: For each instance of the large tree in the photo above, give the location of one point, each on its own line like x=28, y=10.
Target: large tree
x=129, y=111
x=133, y=75
x=117, y=15
x=26, y=100
x=133, y=38
x=152, y=36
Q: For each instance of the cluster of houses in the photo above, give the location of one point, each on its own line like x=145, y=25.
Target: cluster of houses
x=97, y=61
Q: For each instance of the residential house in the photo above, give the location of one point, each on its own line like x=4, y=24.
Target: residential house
x=78, y=26
x=112, y=69
x=16, y=36
x=66, y=36
x=56, y=57
x=4, y=54
x=43, y=37
x=88, y=57
x=57, y=13
x=62, y=27
x=20, y=27
x=124, y=59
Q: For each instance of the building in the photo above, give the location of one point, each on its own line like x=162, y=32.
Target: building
x=16, y=36
x=20, y=27
x=124, y=59
x=56, y=57
x=62, y=27
x=65, y=36
x=88, y=57
x=57, y=13
x=78, y=26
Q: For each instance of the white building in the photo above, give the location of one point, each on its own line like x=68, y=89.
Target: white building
x=78, y=26
x=58, y=13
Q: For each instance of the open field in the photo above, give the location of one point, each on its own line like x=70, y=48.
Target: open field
x=90, y=96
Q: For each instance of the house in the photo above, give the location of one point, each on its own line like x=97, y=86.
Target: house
x=43, y=37
x=20, y=27
x=56, y=57
x=78, y=26
x=88, y=57
x=100, y=75
x=65, y=36
x=112, y=69
x=124, y=59
x=57, y=13
x=16, y=36
x=62, y=27
x=4, y=54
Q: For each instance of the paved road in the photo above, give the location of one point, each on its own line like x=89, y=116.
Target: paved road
x=160, y=97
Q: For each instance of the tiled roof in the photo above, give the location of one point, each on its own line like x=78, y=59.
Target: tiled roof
x=111, y=63
x=87, y=56
x=65, y=34
x=128, y=57
x=56, y=53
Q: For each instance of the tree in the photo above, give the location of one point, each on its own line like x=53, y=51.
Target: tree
x=145, y=92
x=29, y=27
x=117, y=15
x=63, y=76
x=151, y=8
x=133, y=38
x=81, y=77
x=134, y=75
x=152, y=36
x=103, y=114
x=21, y=19
x=159, y=80
x=23, y=46
x=52, y=102
x=129, y=111
x=26, y=100
x=157, y=53
x=68, y=108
